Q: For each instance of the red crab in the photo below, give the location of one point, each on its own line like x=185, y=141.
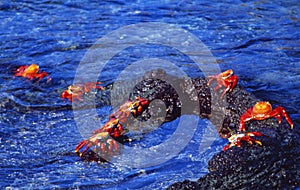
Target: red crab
x=75, y=91
x=235, y=140
x=113, y=128
x=31, y=72
x=226, y=79
x=263, y=110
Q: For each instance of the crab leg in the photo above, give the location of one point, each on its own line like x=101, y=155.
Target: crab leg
x=244, y=118
x=235, y=139
x=281, y=112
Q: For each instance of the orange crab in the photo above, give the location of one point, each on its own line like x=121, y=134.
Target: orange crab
x=263, y=110
x=235, y=140
x=75, y=91
x=31, y=72
x=226, y=79
x=113, y=128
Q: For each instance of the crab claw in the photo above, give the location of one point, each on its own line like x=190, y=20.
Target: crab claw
x=101, y=144
x=20, y=70
x=247, y=138
x=236, y=139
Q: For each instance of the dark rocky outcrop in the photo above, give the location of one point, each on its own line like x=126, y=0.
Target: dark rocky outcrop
x=275, y=165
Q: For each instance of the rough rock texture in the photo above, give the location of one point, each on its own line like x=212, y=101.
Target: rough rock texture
x=193, y=96
x=275, y=165
x=272, y=166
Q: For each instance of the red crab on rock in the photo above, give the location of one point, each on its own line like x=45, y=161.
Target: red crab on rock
x=75, y=91
x=236, y=139
x=263, y=110
x=104, y=139
x=226, y=79
x=31, y=72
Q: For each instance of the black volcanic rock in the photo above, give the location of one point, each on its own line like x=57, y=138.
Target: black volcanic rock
x=275, y=165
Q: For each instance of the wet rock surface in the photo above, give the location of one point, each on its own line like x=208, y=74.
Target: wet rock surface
x=274, y=165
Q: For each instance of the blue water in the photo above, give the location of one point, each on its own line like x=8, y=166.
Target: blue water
x=259, y=40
